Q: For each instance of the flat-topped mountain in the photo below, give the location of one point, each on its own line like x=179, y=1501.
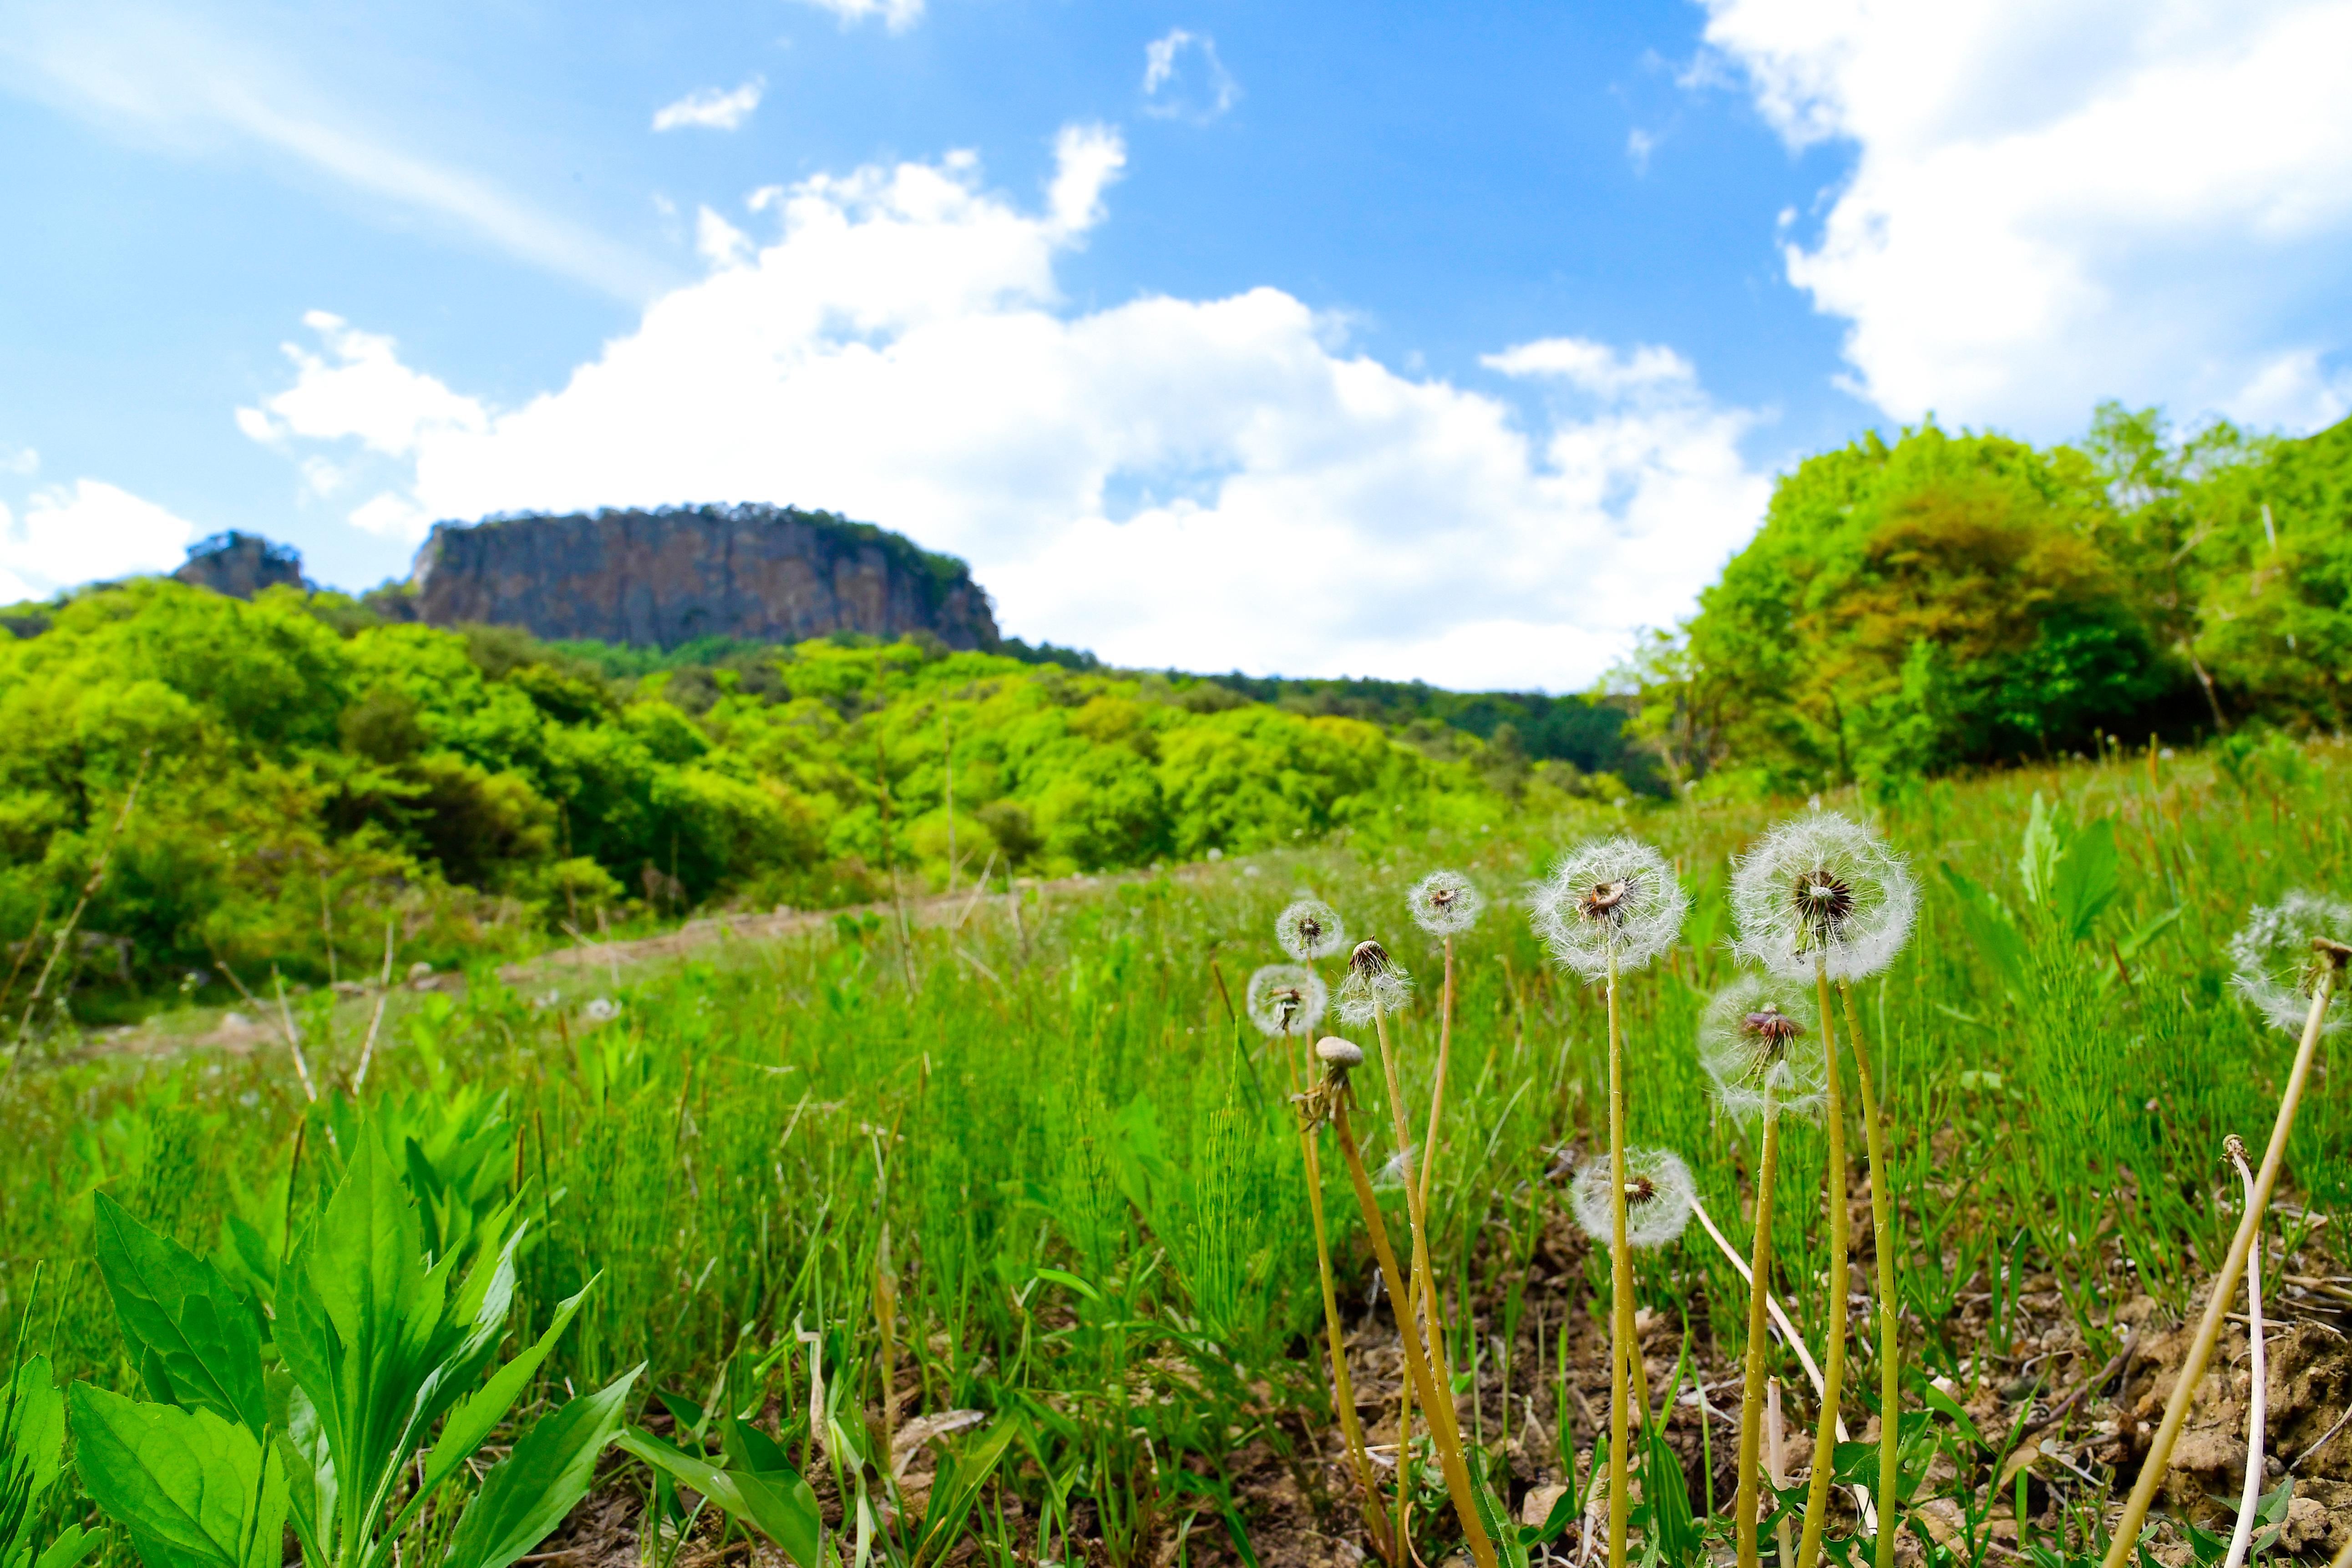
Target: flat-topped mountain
x=677, y=573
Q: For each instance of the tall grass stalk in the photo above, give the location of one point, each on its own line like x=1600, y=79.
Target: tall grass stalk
x=2332, y=957
x=1817, y=1496
x=1624, y=1366
x=1882, y=1241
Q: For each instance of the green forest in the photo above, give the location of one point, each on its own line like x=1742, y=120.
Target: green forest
x=308, y=771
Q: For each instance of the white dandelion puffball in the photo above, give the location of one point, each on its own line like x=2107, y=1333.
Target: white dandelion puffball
x=1309, y=929
x=1760, y=1044
x=1658, y=1193
x=1822, y=889
x=1287, y=998
x=1446, y=902
x=1609, y=897
x=2277, y=967
x=1374, y=985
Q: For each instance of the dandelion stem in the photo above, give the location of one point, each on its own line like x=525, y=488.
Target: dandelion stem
x=1449, y=1453
x=2225, y=1284
x=1440, y=1416
x=2257, y=1374
x=1752, y=1400
x=1620, y=1268
x=1817, y=1495
x=1882, y=1246
x=1343, y=1393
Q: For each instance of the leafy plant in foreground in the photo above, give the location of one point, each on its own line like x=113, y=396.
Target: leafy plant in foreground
x=381, y=1341
x=32, y=1455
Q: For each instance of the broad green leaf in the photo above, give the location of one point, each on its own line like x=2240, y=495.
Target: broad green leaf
x=194, y=1490
x=1938, y=1400
x=473, y=1418
x=527, y=1494
x=37, y=1427
x=2086, y=880
x=192, y=1332
x=73, y=1543
x=778, y=1504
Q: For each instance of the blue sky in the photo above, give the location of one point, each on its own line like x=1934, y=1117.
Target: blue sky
x=1444, y=340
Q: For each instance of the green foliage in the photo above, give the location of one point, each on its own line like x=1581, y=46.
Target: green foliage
x=384, y=1338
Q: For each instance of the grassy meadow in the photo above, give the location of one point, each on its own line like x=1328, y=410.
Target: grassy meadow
x=993, y=1223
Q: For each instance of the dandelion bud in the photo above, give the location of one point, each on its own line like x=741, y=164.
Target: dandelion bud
x=1286, y=999
x=1822, y=889
x=2283, y=950
x=1658, y=1193
x=1444, y=903
x=1758, y=1044
x=1337, y=1054
x=1374, y=985
x=1610, y=898
x=1309, y=929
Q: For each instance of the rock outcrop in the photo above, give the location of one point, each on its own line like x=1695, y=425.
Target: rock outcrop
x=669, y=576
x=241, y=565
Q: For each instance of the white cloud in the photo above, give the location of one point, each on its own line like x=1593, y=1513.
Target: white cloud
x=85, y=532
x=1185, y=79
x=168, y=77
x=1218, y=481
x=711, y=108
x=897, y=14
x=2055, y=204
x=21, y=461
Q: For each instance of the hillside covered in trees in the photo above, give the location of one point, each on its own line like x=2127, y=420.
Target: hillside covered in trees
x=1949, y=601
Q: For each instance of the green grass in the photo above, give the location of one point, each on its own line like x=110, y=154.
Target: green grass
x=1089, y=1178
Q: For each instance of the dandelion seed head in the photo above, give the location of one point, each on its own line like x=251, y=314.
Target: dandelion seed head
x=1446, y=902
x=1658, y=1193
x=1609, y=896
x=1309, y=929
x=1822, y=889
x=1759, y=1042
x=1286, y=999
x=2278, y=964
x=1375, y=985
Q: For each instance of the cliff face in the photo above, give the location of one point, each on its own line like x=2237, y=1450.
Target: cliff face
x=241, y=565
x=665, y=577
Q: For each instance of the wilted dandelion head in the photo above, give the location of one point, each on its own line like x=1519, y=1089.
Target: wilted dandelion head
x=1374, y=985
x=1607, y=898
x=1339, y=1055
x=2282, y=949
x=1309, y=929
x=1287, y=998
x=1822, y=889
x=1658, y=1192
x=1444, y=903
x=1759, y=1042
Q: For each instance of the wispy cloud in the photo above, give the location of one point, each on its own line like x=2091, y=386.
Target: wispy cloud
x=1185, y=79
x=711, y=108
x=166, y=77
x=83, y=532
x=896, y=15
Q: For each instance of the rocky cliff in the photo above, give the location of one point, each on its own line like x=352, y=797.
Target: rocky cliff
x=669, y=576
x=241, y=565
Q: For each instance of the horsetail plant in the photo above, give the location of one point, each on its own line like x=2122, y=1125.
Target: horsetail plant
x=1329, y=1099
x=1612, y=905
x=1821, y=898
x=2290, y=956
x=1764, y=1063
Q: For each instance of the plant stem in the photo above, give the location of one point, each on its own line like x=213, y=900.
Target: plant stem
x=1449, y=1453
x=1440, y=1414
x=1343, y=1393
x=1623, y=1365
x=1882, y=1246
x=1817, y=1494
x=1751, y=1399
x=2217, y=1304
x=2257, y=1374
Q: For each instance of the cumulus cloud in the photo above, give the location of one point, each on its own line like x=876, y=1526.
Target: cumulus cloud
x=2053, y=204
x=1216, y=482
x=897, y=14
x=1185, y=79
x=84, y=532
x=711, y=108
